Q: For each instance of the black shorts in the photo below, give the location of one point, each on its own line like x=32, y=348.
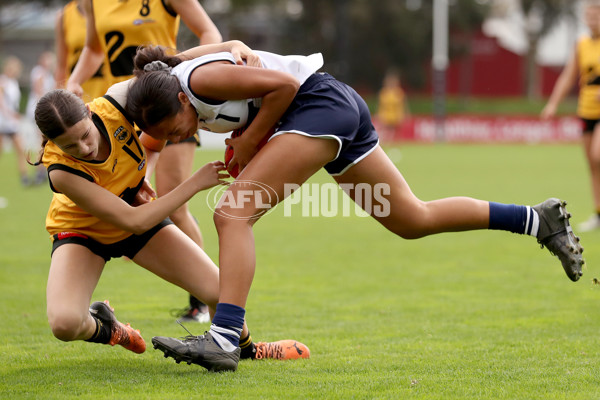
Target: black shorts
x=195, y=138
x=128, y=247
x=589, y=125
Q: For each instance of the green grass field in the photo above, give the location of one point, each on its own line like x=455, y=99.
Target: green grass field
x=500, y=106
x=478, y=315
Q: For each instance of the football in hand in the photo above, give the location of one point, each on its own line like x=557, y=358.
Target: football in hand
x=229, y=150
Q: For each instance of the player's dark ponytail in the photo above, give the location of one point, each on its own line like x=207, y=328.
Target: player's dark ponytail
x=153, y=96
x=55, y=112
x=148, y=54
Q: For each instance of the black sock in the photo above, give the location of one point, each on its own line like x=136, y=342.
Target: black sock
x=195, y=303
x=102, y=334
x=248, y=350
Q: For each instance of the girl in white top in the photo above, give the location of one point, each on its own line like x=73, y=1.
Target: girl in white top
x=319, y=122
x=10, y=99
x=42, y=81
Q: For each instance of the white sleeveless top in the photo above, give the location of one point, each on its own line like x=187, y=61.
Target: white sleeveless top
x=224, y=116
x=12, y=98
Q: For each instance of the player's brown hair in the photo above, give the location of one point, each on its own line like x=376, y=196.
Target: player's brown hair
x=57, y=111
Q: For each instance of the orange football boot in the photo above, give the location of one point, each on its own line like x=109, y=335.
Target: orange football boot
x=281, y=350
x=121, y=334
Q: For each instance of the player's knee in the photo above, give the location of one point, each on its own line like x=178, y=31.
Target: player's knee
x=220, y=221
x=224, y=220
x=65, y=327
x=411, y=225
x=411, y=232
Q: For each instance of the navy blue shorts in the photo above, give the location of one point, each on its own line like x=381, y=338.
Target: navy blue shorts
x=127, y=247
x=329, y=109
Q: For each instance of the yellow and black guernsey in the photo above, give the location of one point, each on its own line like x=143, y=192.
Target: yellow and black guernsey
x=122, y=26
x=122, y=173
x=73, y=27
x=588, y=60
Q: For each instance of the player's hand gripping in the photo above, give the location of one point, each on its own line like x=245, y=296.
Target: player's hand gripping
x=211, y=175
x=145, y=195
x=243, y=151
x=244, y=55
x=75, y=88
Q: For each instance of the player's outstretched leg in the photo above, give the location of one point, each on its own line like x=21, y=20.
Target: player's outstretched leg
x=121, y=334
x=201, y=350
x=556, y=234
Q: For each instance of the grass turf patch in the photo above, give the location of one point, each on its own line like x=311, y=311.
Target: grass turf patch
x=453, y=316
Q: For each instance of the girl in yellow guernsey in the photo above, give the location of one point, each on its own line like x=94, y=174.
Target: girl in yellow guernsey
x=115, y=29
x=101, y=209
x=70, y=41
x=585, y=64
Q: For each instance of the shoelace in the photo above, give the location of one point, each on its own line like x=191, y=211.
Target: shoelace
x=190, y=337
x=269, y=350
x=120, y=335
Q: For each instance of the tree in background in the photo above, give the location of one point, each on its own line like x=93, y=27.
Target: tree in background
x=533, y=20
x=9, y=22
x=360, y=39
x=540, y=17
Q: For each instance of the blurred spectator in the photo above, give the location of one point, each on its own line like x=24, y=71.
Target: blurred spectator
x=585, y=64
x=392, y=106
x=41, y=81
x=10, y=100
x=69, y=37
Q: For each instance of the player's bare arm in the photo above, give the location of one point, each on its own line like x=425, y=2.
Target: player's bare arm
x=225, y=81
x=61, y=51
x=104, y=205
x=197, y=20
x=91, y=56
x=565, y=82
x=241, y=53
